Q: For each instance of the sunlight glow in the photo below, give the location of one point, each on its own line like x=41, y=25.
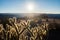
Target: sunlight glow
x=30, y=7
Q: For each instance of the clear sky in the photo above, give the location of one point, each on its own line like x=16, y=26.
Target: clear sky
x=35, y=6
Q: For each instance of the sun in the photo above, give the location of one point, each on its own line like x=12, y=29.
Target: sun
x=30, y=7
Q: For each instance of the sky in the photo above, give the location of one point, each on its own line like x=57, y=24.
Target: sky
x=29, y=6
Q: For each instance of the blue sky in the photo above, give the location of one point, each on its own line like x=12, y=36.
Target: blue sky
x=20, y=6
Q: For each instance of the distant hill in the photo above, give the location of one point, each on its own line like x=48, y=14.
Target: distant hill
x=56, y=16
x=9, y=15
x=3, y=15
